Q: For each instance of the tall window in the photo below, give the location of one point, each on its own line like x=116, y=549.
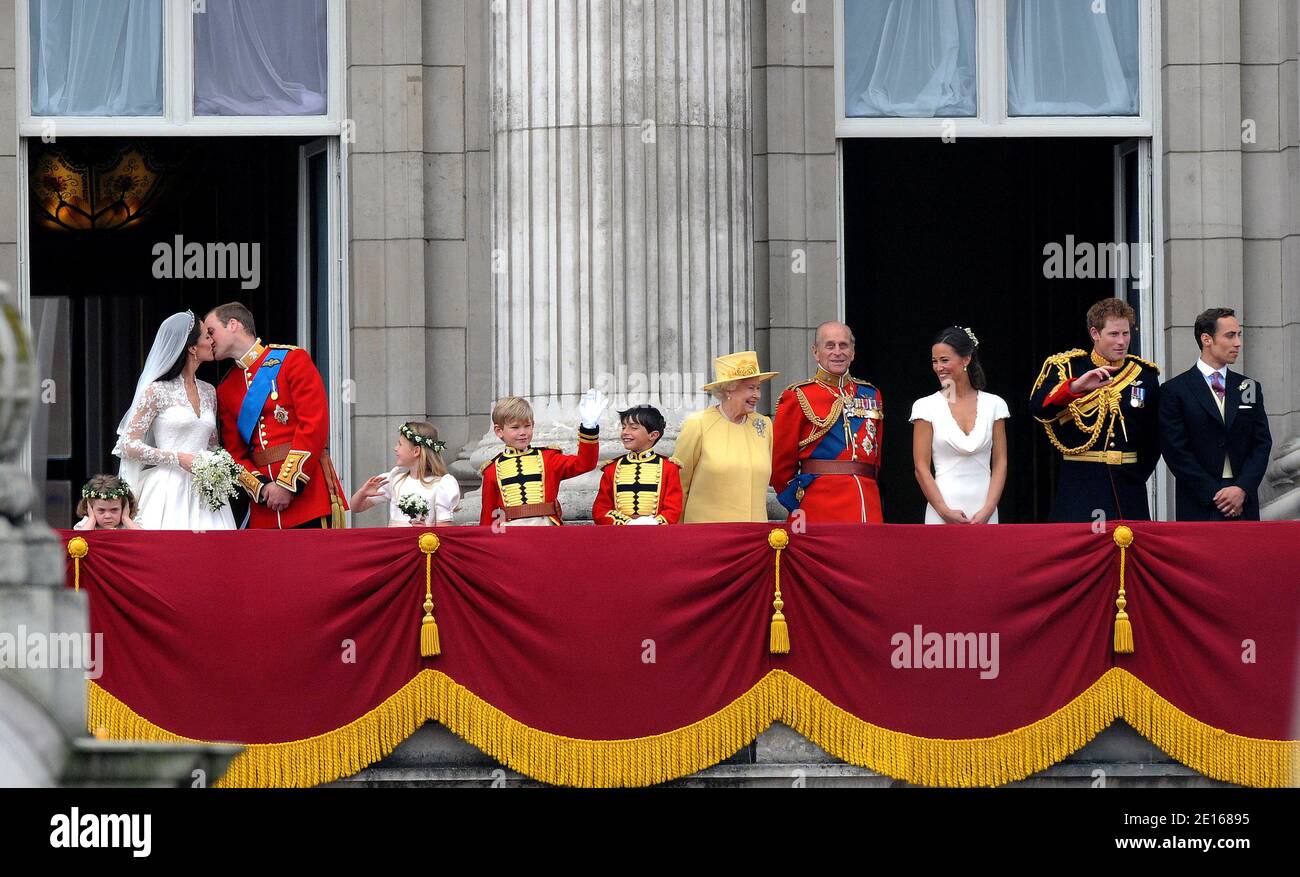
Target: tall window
x=253, y=58
x=167, y=66
x=97, y=57
x=994, y=67
x=909, y=58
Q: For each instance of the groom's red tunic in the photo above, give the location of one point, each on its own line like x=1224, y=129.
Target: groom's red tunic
x=288, y=445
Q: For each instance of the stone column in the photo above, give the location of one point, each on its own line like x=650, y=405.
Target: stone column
x=622, y=221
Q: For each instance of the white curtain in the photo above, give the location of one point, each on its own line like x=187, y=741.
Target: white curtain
x=909, y=58
x=254, y=58
x=97, y=57
x=1072, y=57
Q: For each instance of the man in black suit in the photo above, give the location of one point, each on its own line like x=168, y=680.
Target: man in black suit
x=1213, y=429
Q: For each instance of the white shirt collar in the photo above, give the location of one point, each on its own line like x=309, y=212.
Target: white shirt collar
x=1207, y=370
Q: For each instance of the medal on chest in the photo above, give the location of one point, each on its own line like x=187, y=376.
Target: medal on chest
x=1137, y=395
x=281, y=415
x=869, y=438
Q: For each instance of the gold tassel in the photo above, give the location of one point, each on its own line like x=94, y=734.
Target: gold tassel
x=430, y=646
x=779, y=641
x=1123, y=627
x=77, y=549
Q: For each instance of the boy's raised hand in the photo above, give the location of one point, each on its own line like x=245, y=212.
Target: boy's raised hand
x=593, y=404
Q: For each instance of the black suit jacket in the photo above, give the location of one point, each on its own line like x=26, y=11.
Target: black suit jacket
x=1194, y=439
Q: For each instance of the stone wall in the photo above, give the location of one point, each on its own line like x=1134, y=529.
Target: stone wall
x=8, y=150
x=1231, y=166
x=419, y=223
x=795, y=182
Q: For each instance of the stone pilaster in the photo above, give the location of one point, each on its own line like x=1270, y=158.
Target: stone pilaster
x=1231, y=166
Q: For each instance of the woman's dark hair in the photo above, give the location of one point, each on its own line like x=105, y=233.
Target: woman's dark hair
x=963, y=345
x=195, y=331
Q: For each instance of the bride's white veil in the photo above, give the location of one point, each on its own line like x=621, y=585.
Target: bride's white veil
x=167, y=346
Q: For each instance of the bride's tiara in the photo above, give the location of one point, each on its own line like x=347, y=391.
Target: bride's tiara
x=191, y=326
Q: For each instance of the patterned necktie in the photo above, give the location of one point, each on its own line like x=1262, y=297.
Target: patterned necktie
x=1216, y=384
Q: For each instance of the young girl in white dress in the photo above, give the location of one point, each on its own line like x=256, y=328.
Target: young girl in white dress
x=960, y=431
x=107, y=503
x=421, y=472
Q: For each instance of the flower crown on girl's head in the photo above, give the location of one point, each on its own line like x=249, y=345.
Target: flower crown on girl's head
x=420, y=441
x=122, y=492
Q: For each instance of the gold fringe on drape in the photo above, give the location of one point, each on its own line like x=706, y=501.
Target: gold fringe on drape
x=778, y=696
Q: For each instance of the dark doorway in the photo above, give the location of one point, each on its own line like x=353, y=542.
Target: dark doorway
x=100, y=284
x=939, y=234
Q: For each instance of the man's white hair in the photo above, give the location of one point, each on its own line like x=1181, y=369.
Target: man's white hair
x=817, y=339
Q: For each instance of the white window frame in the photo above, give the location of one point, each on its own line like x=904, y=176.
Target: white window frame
x=178, y=117
x=339, y=317
x=991, y=91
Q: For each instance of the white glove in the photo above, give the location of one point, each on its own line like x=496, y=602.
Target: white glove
x=593, y=405
x=643, y=521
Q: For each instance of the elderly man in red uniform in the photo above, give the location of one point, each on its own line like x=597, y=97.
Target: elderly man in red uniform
x=275, y=423
x=828, y=434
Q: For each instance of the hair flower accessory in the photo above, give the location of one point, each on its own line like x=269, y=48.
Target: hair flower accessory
x=121, y=492
x=420, y=441
x=971, y=336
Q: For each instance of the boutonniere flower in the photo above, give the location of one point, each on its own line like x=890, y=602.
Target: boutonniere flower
x=1244, y=384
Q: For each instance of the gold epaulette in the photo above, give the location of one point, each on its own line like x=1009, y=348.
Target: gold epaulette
x=798, y=384
x=283, y=347
x=605, y=465
x=1057, y=361
x=1148, y=363
x=483, y=468
x=864, y=383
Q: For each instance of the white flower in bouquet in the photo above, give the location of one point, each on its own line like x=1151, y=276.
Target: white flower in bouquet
x=216, y=477
x=413, y=506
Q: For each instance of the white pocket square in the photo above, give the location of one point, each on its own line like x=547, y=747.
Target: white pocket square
x=1245, y=406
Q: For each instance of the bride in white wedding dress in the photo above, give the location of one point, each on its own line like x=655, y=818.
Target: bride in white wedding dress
x=172, y=419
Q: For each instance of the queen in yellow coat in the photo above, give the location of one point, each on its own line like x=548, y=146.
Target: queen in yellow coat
x=725, y=451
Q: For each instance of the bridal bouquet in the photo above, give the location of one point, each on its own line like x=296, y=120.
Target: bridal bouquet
x=216, y=477
x=413, y=506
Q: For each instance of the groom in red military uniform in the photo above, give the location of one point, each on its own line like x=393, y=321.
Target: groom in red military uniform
x=275, y=423
x=827, y=438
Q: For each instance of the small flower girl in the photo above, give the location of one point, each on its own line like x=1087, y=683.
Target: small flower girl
x=420, y=491
x=107, y=503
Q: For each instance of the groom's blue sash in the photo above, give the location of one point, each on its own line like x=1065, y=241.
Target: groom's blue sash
x=258, y=391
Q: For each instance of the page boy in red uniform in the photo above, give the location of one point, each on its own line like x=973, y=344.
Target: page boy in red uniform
x=640, y=487
x=522, y=483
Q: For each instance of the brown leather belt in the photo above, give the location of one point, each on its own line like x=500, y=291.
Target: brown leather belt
x=274, y=454
x=838, y=467
x=533, y=510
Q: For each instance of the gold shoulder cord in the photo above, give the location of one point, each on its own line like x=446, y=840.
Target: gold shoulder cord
x=820, y=426
x=1102, y=405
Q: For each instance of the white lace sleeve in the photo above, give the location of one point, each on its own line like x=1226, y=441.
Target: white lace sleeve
x=133, y=445
x=208, y=402
x=446, y=499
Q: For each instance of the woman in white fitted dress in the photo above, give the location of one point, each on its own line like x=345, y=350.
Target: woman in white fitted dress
x=959, y=431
